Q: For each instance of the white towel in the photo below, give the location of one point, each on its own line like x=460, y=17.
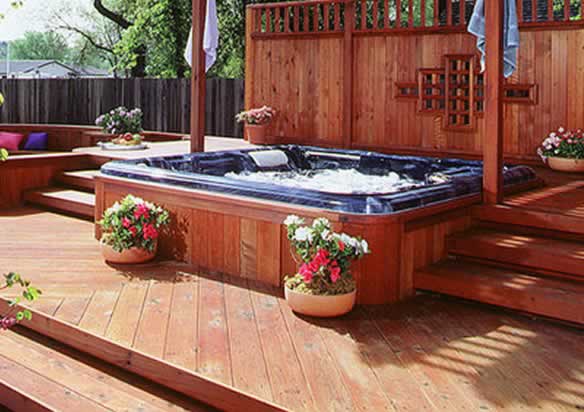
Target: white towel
x=210, y=37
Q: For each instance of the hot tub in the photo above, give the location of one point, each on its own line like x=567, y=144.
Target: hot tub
x=421, y=181
x=227, y=208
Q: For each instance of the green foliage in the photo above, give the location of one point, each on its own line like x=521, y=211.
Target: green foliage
x=40, y=46
x=133, y=223
x=161, y=28
x=29, y=293
x=325, y=257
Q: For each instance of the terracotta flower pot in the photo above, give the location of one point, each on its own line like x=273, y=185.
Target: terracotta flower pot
x=563, y=164
x=128, y=256
x=320, y=306
x=255, y=133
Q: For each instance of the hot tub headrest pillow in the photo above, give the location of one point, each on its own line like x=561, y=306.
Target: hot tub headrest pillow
x=10, y=141
x=269, y=159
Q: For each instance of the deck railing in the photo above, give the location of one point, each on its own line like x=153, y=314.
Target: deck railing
x=328, y=17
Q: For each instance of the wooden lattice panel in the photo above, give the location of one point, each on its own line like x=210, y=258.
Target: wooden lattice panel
x=432, y=90
x=460, y=79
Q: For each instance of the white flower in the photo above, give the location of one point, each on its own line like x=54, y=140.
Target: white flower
x=326, y=234
x=321, y=221
x=293, y=220
x=364, y=246
x=115, y=207
x=302, y=234
x=561, y=130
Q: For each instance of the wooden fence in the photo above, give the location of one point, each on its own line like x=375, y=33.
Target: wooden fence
x=404, y=76
x=165, y=102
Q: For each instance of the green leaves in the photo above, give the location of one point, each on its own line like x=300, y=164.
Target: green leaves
x=29, y=293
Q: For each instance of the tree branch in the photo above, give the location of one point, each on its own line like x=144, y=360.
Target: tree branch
x=86, y=37
x=116, y=18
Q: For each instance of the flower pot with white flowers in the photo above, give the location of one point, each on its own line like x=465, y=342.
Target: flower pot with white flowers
x=130, y=230
x=564, y=150
x=256, y=123
x=323, y=286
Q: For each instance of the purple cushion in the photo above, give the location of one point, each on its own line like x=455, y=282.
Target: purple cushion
x=37, y=141
x=10, y=141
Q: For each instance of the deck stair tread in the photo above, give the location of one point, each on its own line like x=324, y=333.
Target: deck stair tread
x=80, y=179
x=67, y=200
x=41, y=374
x=554, y=298
x=542, y=219
x=530, y=251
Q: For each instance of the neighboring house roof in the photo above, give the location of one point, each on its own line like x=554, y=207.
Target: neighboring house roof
x=49, y=68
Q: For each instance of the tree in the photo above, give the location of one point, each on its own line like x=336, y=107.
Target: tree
x=40, y=46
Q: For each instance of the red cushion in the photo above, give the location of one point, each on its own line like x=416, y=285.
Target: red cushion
x=10, y=141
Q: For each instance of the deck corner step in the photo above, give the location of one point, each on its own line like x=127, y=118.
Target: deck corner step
x=79, y=179
x=533, y=252
x=554, y=298
x=67, y=200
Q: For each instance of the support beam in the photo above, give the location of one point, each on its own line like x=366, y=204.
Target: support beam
x=348, y=73
x=493, y=138
x=198, y=78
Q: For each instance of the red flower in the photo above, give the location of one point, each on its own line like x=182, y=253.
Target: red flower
x=335, y=271
x=142, y=210
x=150, y=232
x=126, y=222
x=321, y=258
x=306, y=273
x=132, y=230
x=341, y=245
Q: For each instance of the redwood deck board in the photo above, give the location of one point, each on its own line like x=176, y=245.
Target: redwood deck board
x=424, y=355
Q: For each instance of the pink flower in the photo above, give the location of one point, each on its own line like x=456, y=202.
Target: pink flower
x=321, y=258
x=150, y=232
x=306, y=273
x=142, y=210
x=132, y=230
x=126, y=222
x=335, y=271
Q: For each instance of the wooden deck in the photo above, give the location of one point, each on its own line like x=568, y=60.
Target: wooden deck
x=425, y=354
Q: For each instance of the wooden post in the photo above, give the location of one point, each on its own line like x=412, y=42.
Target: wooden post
x=348, y=73
x=198, y=78
x=493, y=139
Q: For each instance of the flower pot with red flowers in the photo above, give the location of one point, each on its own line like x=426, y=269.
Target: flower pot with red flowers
x=323, y=286
x=563, y=150
x=130, y=230
x=256, y=123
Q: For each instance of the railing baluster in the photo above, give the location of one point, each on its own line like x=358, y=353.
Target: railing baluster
x=363, y=14
x=315, y=17
x=296, y=19
x=423, y=13
x=550, y=10
x=533, y=10
x=398, y=13
x=436, y=16
x=410, y=14
x=387, y=17
x=327, y=21
x=449, y=13
x=337, y=17
x=567, y=10
x=375, y=16
x=520, y=10
x=462, y=13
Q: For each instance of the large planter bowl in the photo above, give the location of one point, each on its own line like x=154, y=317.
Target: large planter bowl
x=256, y=134
x=320, y=306
x=129, y=256
x=562, y=164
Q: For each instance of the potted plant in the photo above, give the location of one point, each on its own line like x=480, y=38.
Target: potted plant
x=255, y=123
x=564, y=150
x=323, y=285
x=123, y=125
x=130, y=230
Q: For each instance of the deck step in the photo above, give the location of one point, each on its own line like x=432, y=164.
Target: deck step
x=555, y=298
x=66, y=200
x=39, y=374
x=79, y=179
x=532, y=252
x=511, y=215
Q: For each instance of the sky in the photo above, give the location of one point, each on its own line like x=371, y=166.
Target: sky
x=32, y=16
